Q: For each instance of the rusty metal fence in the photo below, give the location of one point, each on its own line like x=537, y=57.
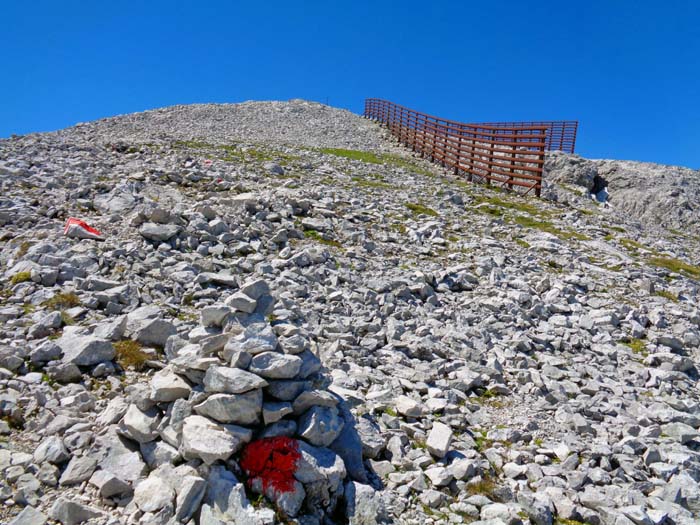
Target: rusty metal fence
x=561, y=134
x=509, y=154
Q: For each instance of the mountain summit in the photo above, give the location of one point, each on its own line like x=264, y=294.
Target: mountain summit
x=270, y=312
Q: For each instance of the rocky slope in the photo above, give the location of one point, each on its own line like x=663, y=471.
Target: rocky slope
x=274, y=330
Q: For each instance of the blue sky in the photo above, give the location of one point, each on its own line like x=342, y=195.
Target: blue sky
x=629, y=71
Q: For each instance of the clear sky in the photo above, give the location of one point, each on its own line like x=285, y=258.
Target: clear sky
x=629, y=71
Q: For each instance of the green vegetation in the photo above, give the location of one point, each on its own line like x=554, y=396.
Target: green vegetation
x=352, y=154
x=630, y=245
x=186, y=317
x=485, y=486
x=481, y=443
x=521, y=206
x=364, y=183
x=13, y=423
x=235, y=152
x=313, y=234
x=638, y=346
x=419, y=209
x=546, y=226
x=45, y=378
x=21, y=277
x=130, y=354
x=23, y=248
x=667, y=295
x=66, y=319
x=419, y=444
x=62, y=300
x=28, y=309
x=391, y=412
x=376, y=158
x=564, y=521
x=554, y=265
x=398, y=227
x=677, y=266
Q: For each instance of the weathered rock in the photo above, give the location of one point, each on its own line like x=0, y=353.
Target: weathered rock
x=273, y=365
x=231, y=380
x=439, y=440
x=320, y=426
x=205, y=440
x=166, y=386
x=241, y=409
x=29, y=516
x=68, y=512
x=159, y=232
x=85, y=350
x=153, y=494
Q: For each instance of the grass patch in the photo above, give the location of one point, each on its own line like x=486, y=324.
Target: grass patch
x=638, y=346
x=485, y=486
x=314, y=235
x=493, y=211
x=66, y=319
x=364, y=183
x=488, y=398
x=419, y=209
x=482, y=443
x=667, y=295
x=630, y=245
x=28, y=309
x=23, y=248
x=376, y=158
x=235, y=152
x=523, y=206
x=676, y=266
x=554, y=265
x=546, y=226
x=401, y=228
x=21, y=277
x=13, y=423
x=130, y=355
x=564, y=521
x=391, y=412
x=419, y=444
x=353, y=154
x=62, y=300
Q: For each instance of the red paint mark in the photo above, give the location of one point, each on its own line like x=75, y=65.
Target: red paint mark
x=273, y=461
x=84, y=225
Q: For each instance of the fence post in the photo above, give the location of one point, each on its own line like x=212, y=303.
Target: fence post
x=512, y=162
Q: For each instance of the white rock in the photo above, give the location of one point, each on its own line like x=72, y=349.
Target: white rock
x=167, y=386
x=241, y=409
x=273, y=365
x=408, y=407
x=208, y=441
x=231, y=380
x=439, y=440
x=153, y=494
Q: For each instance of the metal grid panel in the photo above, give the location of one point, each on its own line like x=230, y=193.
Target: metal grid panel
x=561, y=134
x=512, y=156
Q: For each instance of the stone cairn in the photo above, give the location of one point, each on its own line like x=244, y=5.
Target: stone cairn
x=240, y=409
